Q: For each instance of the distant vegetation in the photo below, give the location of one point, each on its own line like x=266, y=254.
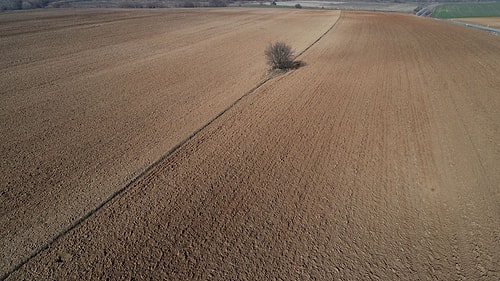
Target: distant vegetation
x=466, y=10
x=23, y=4
x=33, y=4
x=443, y=11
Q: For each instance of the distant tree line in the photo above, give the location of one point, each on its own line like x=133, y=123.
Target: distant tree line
x=23, y=4
x=34, y=4
x=210, y=3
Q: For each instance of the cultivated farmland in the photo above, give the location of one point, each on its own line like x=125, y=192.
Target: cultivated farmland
x=379, y=158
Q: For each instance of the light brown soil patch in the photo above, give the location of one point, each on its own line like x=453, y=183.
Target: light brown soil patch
x=377, y=160
x=489, y=22
x=89, y=98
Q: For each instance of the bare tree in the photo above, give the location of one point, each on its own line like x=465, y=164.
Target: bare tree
x=279, y=56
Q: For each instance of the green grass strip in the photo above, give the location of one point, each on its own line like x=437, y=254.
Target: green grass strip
x=467, y=10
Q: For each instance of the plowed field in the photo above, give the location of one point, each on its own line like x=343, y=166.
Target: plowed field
x=379, y=159
x=90, y=98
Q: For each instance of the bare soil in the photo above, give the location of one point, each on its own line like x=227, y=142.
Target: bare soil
x=379, y=159
x=90, y=98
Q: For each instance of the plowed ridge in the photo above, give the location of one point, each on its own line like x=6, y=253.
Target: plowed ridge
x=377, y=160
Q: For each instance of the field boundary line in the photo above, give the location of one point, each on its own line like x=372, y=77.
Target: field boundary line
x=153, y=165
x=321, y=36
x=491, y=30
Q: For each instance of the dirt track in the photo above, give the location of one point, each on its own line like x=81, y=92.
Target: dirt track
x=485, y=21
x=379, y=159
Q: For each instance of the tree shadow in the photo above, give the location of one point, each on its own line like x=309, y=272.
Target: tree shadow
x=297, y=64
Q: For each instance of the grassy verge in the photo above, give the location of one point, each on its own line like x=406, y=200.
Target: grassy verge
x=466, y=10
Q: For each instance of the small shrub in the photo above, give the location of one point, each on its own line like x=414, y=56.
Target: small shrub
x=298, y=6
x=279, y=56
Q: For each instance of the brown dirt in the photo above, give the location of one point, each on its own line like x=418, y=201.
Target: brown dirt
x=90, y=98
x=377, y=160
x=489, y=22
